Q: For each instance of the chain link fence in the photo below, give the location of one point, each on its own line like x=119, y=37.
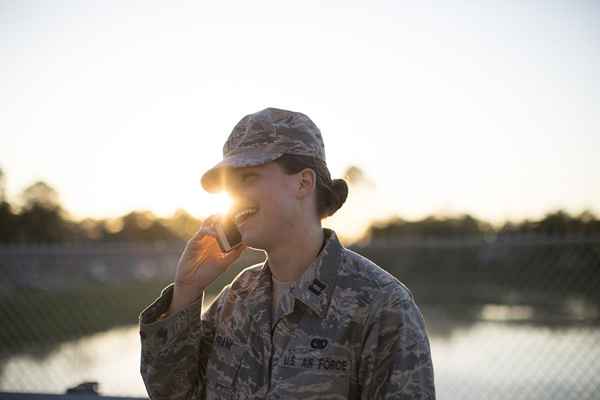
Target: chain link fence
x=513, y=317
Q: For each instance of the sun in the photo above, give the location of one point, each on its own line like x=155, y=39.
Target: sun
x=218, y=203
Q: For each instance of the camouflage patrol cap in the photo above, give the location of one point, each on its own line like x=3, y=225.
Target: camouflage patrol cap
x=265, y=136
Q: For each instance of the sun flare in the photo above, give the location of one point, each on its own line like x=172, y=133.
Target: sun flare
x=218, y=203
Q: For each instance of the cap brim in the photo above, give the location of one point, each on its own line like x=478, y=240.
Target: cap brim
x=214, y=180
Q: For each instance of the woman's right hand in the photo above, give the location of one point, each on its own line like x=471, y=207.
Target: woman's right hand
x=200, y=263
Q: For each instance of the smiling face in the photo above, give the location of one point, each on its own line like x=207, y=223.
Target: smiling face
x=266, y=203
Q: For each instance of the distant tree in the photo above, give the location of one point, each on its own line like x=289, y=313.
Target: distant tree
x=2, y=186
x=42, y=195
x=141, y=226
x=8, y=223
x=464, y=225
x=557, y=223
x=182, y=224
x=40, y=224
x=8, y=220
x=356, y=176
x=41, y=218
x=591, y=224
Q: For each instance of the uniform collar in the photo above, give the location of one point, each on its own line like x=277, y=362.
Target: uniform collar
x=315, y=286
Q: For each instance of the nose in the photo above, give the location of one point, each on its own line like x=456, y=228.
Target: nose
x=235, y=192
x=230, y=186
x=238, y=197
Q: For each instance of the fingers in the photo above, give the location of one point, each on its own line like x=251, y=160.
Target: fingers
x=234, y=254
x=208, y=226
x=211, y=220
x=203, y=256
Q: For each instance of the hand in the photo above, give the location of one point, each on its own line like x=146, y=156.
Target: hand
x=200, y=263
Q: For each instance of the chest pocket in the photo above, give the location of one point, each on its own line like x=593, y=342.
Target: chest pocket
x=223, y=367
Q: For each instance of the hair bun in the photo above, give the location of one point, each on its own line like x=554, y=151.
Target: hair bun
x=339, y=190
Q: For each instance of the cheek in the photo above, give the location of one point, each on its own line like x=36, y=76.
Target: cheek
x=278, y=208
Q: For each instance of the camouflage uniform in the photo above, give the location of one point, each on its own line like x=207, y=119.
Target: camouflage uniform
x=346, y=329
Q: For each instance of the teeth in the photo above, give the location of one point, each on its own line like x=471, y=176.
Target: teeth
x=244, y=213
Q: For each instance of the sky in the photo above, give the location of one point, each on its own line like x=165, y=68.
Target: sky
x=448, y=107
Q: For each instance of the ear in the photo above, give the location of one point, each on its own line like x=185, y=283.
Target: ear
x=307, y=182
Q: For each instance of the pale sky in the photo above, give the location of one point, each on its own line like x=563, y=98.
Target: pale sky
x=488, y=108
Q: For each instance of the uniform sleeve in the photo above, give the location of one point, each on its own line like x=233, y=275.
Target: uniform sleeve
x=175, y=349
x=396, y=357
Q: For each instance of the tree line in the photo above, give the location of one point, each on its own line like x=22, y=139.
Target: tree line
x=555, y=224
x=40, y=218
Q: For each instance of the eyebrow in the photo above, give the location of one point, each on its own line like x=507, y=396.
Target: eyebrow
x=242, y=175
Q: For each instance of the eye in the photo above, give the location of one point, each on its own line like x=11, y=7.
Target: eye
x=248, y=178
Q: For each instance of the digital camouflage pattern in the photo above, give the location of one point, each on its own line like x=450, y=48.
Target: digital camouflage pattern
x=265, y=136
x=347, y=330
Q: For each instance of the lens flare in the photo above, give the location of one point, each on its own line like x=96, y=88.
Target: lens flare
x=219, y=203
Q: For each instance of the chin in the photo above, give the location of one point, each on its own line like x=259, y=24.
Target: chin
x=255, y=245
x=254, y=242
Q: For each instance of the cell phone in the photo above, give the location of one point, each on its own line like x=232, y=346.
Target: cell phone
x=228, y=235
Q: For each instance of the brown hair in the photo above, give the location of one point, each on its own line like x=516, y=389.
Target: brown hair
x=331, y=194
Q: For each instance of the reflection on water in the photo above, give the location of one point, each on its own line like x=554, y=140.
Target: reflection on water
x=484, y=360
x=111, y=358
x=499, y=312
x=502, y=361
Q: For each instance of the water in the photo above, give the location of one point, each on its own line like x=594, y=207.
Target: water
x=502, y=361
x=111, y=358
x=485, y=360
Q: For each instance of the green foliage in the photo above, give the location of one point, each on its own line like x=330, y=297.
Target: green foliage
x=558, y=223
x=554, y=224
x=430, y=227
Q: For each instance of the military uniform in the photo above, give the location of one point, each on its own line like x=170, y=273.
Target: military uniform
x=347, y=330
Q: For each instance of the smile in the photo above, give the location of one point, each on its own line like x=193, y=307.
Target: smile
x=243, y=215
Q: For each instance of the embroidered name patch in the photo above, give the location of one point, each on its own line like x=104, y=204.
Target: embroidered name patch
x=321, y=363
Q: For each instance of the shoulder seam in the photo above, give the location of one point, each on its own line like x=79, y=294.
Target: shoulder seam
x=376, y=282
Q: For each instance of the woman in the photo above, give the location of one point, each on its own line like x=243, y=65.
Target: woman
x=314, y=321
